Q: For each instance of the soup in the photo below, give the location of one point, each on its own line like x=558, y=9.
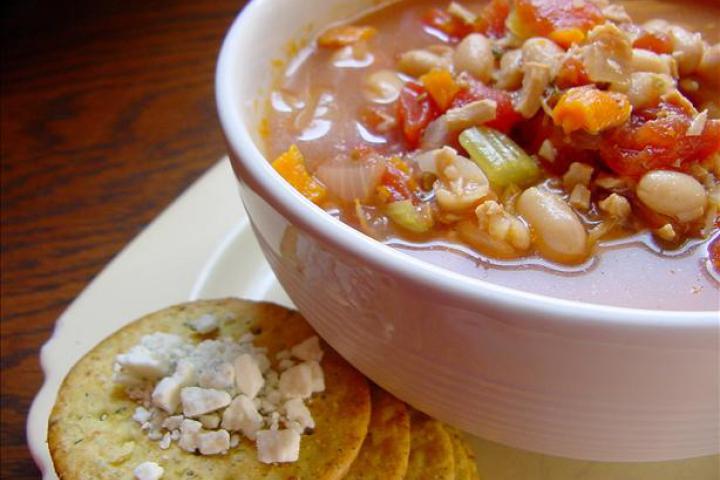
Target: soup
x=552, y=146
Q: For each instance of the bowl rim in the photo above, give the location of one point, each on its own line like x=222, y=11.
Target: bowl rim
x=341, y=237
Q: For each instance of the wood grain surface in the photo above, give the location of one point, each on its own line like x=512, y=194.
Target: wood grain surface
x=108, y=113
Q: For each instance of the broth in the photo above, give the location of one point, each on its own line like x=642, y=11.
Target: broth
x=630, y=271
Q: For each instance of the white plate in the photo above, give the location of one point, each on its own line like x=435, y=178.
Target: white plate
x=202, y=246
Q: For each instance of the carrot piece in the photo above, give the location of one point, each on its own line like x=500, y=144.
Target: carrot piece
x=291, y=166
x=345, y=35
x=567, y=36
x=441, y=86
x=587, y=108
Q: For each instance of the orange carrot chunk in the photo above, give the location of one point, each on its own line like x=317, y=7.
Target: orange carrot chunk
x=291, y=166
x=441, y=86
x=592, y=110
x=345, y=35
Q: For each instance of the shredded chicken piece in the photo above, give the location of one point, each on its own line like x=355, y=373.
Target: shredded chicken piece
x=418, y=62
x=577, y=174
x=457, y=10
x=580, y=197
x=666, y=232
x=608, y=182
x=616, y=13
x=608, y=55
x=697, y=125
x=547, y=151
x=501, y=225
x=472, y=114
x=510, y=75
x=616, y=206
x=537, y=78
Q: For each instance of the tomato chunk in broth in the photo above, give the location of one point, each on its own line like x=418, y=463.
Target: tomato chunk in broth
x=568, y=148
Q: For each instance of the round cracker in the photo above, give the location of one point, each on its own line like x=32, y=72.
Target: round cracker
x=465, y=465
x=431, y=450
x=92, y=435
x=384, y=453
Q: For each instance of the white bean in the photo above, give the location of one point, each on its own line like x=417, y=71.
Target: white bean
x=474, y=55
x=674, y=194
x=462, y=184
x=646, y=88
x=383, y=86
x=542, y=50
x=510, y=75
x=647, y=61
x=559, y=234
x=687, y=49
x=418, y=62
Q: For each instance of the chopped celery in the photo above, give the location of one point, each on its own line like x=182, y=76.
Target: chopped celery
x=408, y=216
x=502, y=160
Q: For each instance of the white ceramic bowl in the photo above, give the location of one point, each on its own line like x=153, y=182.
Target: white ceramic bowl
x=529, y=371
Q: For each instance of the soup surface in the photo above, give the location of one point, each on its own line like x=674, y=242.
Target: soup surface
x=563, y=147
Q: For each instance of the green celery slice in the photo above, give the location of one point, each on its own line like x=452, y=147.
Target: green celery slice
x=410, y=217
x=502, y=160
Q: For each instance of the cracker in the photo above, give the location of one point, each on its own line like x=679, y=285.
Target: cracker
x=431, y=450
x=465, y=465
x=92, y=435
x=385, y=451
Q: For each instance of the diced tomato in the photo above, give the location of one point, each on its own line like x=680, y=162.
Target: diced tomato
x=657, y=42
x=449, y=25
x=543, y=17
x=568, y=149
x=655, y=138
x=396, y=183
x=491, y=22
x=714, y=253
x=416, y=109
x=572, y=74
x=505, y=117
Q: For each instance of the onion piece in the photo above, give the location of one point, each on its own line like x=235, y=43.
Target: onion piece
x=351, y=180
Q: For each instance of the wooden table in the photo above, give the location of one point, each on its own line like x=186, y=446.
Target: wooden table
x=108, y=113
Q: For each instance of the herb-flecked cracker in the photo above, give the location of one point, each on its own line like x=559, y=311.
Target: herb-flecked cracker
x=92, y=435
x=384, y=454
x=431, y=450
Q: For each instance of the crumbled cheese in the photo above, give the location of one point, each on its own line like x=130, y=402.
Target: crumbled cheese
x=278, y=446
x=189, y=432
x=148, y=471
x=197, y=401
x=141, y=415
x=308, y=350
x=173, y=423
x=209, y=421
x=318, y=377
x=152, y=358
x=166, y=394
x=204, y=324
x=221, y=386
x=165, y=442
x=608, y=182
x=221, y=378
x=213, y=443
x=248, y=377
x=296, y=411
x=242, y=415
x=297, y=381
